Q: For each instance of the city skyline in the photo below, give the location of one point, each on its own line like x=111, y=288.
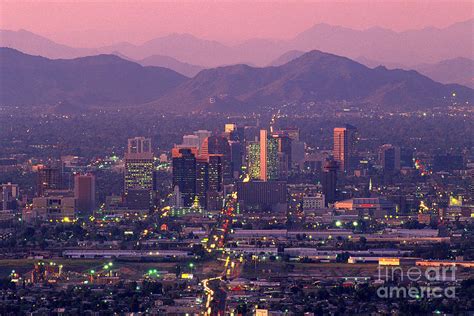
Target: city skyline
x=247, y=158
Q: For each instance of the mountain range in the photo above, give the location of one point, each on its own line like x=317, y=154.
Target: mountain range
x=408, y=48
x=458, y=70
x=94, y=80
x=314, y=76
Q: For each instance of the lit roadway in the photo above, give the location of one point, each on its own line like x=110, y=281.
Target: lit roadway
x=215, y=292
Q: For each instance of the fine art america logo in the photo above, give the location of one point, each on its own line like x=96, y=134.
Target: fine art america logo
x=435, y=282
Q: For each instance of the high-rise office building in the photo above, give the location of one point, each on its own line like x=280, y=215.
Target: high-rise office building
x=273, y=159
x=253, y=160
x=390, y=158
x=268, y=157
x=263, y=154
x=9, y=195
x=219, y=145
x=202, y=180
x=49, y=178
x=329, y=180
x=215, y=173
x=198, y=178
x=139, y=166
x=344, y=147
x=236, y=157
x=84, y=192
x=215, y=182
x=263, y=158
x=284, y=153
x=184, y=175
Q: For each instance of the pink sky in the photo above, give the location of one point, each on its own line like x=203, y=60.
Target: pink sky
x=93, y=23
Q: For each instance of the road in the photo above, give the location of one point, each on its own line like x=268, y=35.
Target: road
x=214, y=287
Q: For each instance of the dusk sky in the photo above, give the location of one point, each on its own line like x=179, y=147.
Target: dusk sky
x=94, y=23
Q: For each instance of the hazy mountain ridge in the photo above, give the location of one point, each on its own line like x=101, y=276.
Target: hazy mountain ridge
x=34, y=44
x=409, y=48
x=104, y=80
x=172, y=63
x=457, y=70
x=286, y=57
x=94, y=80
x=315, y=76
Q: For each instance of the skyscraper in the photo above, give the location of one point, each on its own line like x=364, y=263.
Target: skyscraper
x=329, y=180
x=84, y=192
x=284, y=153
x=253, y=160
x=198, y=178
x=215, y=181
x=139, y=166
x=390, y=158
x=184, y=175
x=268, y=157
x=344, y=147
x=219, y=145
x=215, y=173
x=263, y=158
x=236, y=157
x=49, y=178
x=263, y=154
x=273, y=159
x=9, y=196
x=202, y=180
